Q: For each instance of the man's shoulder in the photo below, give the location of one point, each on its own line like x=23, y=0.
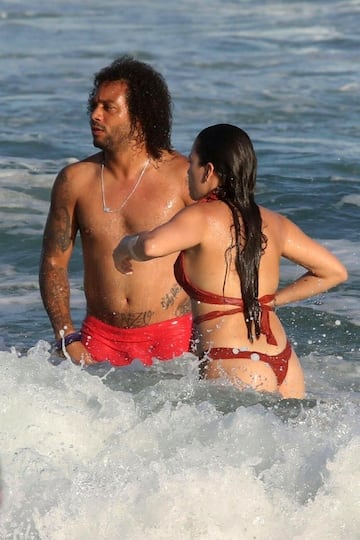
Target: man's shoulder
x=173, y=167
x=77, y=175
x=173, y=160
x=74, y=169
x=85, y=163
x=173, y=171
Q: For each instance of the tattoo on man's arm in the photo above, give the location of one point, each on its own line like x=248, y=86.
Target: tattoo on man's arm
x=54, y=287
x=58, y=230
x=62, y=233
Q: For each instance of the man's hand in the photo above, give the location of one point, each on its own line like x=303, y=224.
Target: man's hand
x=79, y=355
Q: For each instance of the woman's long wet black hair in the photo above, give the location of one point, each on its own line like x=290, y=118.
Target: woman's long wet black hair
x=148, y=101
x=231, y=152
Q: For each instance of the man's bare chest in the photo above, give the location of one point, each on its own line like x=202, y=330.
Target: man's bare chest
x=144, y=212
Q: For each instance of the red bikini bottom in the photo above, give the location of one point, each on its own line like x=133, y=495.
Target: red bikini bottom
x=279, y=363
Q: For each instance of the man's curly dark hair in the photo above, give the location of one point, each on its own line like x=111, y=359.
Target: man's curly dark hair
x=148, y=100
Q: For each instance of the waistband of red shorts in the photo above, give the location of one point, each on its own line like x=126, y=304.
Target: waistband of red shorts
x=158, y=326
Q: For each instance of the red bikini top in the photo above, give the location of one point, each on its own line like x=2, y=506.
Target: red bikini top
x=200, y=295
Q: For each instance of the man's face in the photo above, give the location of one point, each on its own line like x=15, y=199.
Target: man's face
x=109, y=116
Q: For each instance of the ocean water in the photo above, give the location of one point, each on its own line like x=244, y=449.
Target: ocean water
x=128, y=454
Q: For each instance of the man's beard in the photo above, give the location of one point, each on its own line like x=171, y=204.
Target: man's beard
x=103, y=144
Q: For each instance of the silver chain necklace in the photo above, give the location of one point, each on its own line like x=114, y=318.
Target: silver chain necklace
x=110, y=210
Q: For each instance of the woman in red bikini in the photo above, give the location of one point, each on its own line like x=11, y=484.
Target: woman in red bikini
x=229, y=264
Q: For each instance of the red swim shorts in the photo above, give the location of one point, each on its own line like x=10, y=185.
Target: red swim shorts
x=120, y=346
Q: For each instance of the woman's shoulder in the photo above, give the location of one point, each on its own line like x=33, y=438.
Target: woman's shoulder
x=275, y=227
x=272, y=218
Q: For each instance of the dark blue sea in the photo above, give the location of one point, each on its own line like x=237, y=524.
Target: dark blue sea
x=136, y=453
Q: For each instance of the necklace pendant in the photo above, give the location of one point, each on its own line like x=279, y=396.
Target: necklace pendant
x=108, y=210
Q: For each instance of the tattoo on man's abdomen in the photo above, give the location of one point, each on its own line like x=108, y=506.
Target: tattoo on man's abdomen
x=183, y=308
x=169, y=298
x=134, y=320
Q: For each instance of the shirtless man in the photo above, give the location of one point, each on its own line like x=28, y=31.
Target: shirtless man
x=136, y=182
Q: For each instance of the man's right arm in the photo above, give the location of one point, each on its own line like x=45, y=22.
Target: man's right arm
x=58, y=242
